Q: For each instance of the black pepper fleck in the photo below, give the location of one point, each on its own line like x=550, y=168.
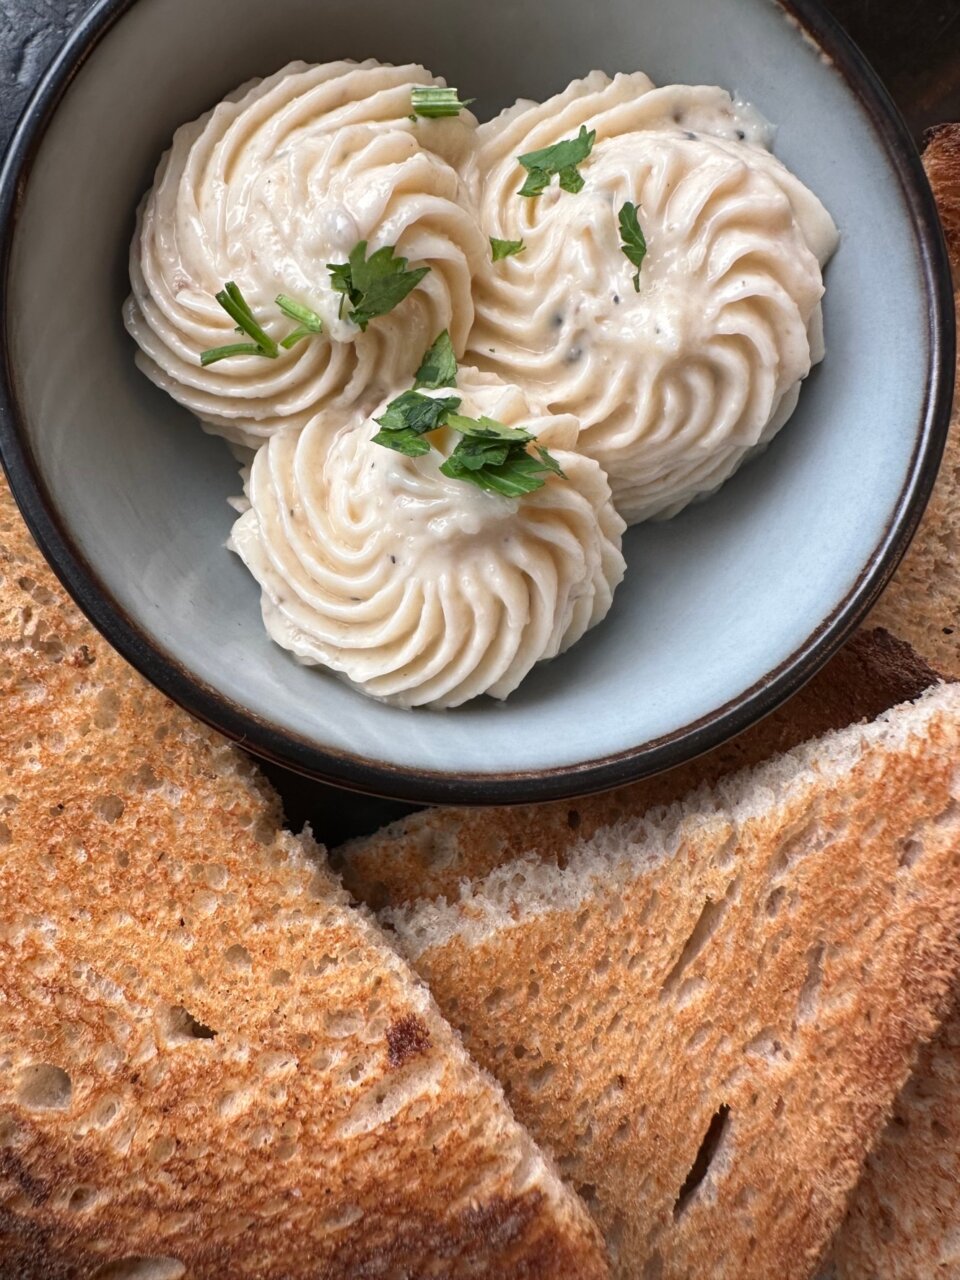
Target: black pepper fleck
x=393, y=559
x=573, y=355
x=557, y=319
x=741, y=136
x=616, y=299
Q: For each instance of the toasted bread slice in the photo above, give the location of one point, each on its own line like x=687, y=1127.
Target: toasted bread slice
x=706, y=1013
x=922, y=603
x=429, y=853
x=210, y=1064
x=904, y=1218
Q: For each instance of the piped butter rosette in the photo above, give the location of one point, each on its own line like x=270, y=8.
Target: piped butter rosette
x=421, y=589
x=285, y=176
x=679, y=372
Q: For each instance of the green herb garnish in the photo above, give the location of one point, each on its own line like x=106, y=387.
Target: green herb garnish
x=439, y=366
x=561, y=159
x=494, y=457
x=373, y=285
x=489, y=455
x=634, y=242
x=433, y=102
x=508, y=469
x=487, y=429
x=505, y=248
x=237, y=308
x=409, y=417
x=310, y=322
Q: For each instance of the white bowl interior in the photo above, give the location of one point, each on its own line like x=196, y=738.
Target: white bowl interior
x=713, y=601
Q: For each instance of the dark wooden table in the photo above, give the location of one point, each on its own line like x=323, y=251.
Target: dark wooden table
x=913, y=44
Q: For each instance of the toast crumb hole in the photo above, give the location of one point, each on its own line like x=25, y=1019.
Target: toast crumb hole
x=809, y=992
x=707, y=925
x=109, y=808
x=911, y=849
x=949, y=815
x=182, y=1027
x=44, y=1087
x=82, y=1198
x=704, y=1158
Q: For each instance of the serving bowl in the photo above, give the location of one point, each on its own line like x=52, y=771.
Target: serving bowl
x=726, y=610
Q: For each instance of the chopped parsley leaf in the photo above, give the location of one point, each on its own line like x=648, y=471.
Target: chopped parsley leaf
x=375, y=285
x=562, y=160
x=439, y=366
x=634, y=243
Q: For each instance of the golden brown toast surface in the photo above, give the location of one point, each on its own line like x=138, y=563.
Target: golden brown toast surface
x=208, y=1059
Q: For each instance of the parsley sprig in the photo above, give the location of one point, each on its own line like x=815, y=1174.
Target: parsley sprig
x=562, y=159
x=634, y=243
x=501, y=249
x=489, y=454
x=439, y=366
x=495, y=457
x=260, y=344
x=375, y=285
x=433, y=102
x=409, y=417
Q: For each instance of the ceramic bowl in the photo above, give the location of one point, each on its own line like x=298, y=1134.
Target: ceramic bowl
x=725, y=611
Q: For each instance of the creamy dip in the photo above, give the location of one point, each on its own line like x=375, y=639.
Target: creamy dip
x=283, y=177
x=650, y=358
x=676, y=382
x=419, y=588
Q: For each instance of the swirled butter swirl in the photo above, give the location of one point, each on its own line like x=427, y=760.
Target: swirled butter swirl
x=284, y=176
x=420, y=589
x=676, y=382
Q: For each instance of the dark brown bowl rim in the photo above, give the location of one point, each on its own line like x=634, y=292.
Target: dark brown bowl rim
x=357, y=773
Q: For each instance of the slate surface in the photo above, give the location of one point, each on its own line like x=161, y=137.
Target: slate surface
x=915, y=47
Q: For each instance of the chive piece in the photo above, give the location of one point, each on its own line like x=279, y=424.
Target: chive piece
x=296, y=336
x=236, y=307
x=233, y=349
x=310, y=321
x=433, y=102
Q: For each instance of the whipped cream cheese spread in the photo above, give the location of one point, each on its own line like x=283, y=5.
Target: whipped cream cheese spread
x=286, y=175
x=418, y=588
x=628, y=279
x=676, y=382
